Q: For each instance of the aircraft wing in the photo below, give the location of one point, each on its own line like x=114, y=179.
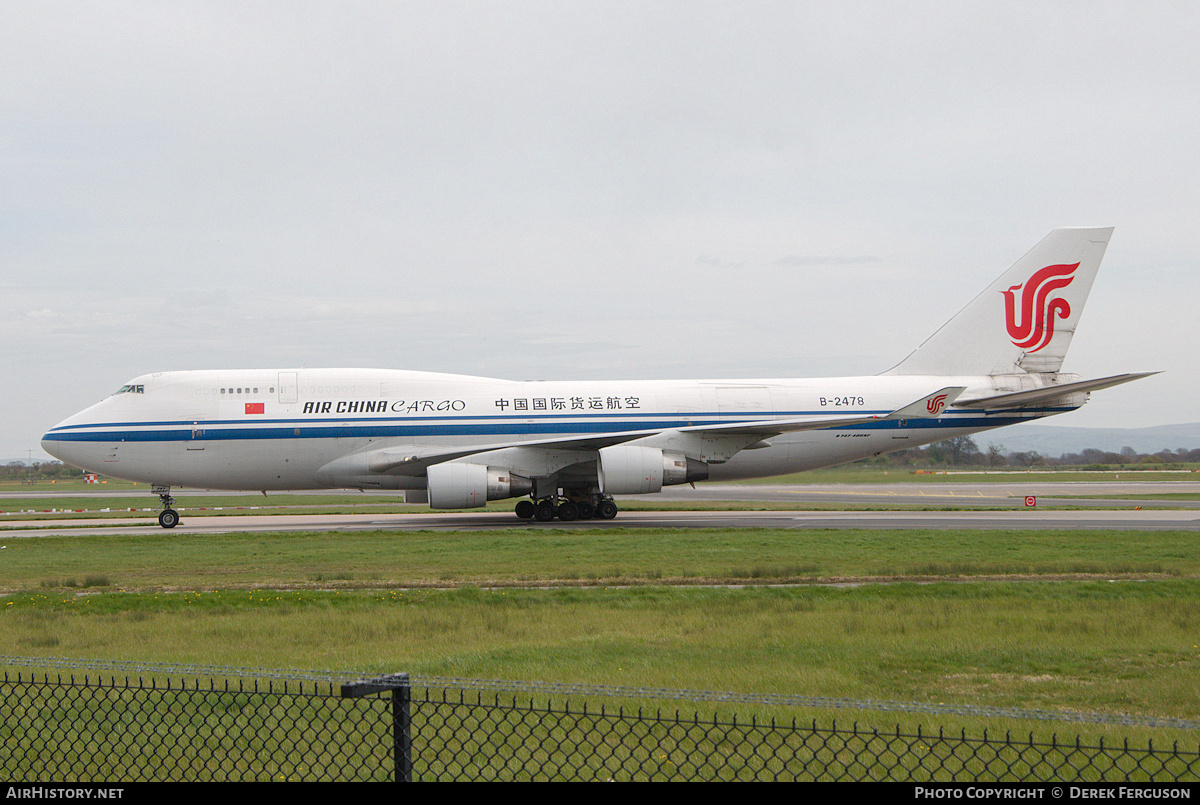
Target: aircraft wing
x=928, y=407
x=1019, y=399
x=410, y=461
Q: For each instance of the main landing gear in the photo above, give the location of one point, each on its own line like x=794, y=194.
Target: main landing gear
x=565, y=509
x=168, y=517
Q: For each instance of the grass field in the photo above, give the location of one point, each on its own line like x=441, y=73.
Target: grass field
x=1060, y=621
x=1081, y=621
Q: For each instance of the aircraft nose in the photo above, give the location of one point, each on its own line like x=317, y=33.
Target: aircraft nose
x=54, y=447
x=55, y=443
x=75, y=440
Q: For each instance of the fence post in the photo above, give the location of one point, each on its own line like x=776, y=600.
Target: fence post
x=402, y=731
x=401, y=717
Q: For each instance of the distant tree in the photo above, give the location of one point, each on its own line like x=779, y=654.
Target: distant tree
x=19, y=470
x=1030, y=458
x=958, y=450
x=995, y=455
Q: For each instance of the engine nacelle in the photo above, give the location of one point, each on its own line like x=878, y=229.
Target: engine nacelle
x=627, y=469
x=457, y=485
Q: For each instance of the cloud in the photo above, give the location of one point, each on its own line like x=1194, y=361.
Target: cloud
x=799, y=261
x=566, y=189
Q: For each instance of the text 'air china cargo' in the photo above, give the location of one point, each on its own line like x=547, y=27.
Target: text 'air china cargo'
x=566, y=447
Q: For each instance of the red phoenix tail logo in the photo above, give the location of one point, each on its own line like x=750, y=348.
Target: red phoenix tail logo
x=936, y=404
x=1032, y=327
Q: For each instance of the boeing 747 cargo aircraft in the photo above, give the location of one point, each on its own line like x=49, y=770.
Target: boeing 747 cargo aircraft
x=566, y=447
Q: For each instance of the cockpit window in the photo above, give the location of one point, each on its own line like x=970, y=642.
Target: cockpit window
x=131, y=388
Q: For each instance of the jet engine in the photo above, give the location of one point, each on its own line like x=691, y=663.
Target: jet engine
x=458, y=485
x=626, y=469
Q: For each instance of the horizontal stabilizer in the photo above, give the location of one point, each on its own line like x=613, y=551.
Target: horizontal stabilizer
x=1022, y=398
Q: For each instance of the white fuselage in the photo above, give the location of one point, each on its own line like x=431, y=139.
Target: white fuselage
x=282, y=429
x=570, y=446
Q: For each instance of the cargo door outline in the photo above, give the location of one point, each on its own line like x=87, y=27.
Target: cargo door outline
x=289, y=389
x=195, y=442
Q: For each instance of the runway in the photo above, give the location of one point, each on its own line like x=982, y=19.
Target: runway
x=1132, y=504
x=1145, y=520
x=957, y=493
x=975, y=494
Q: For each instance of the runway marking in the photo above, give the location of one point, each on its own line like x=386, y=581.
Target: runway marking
x=892, y=493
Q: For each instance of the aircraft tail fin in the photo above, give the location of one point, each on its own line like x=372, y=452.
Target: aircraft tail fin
x=1024, y=321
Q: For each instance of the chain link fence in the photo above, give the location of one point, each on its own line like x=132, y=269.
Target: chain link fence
x=92, y=728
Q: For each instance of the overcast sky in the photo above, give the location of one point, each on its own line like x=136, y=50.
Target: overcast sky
x=582, y=190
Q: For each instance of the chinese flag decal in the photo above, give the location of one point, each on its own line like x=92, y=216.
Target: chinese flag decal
x=256, y=408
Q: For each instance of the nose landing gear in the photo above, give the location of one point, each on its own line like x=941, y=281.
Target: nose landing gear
x=168, y=517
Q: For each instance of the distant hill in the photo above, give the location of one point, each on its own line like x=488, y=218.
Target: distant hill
x=1053, y=441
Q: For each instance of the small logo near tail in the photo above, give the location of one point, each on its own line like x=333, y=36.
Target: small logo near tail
x=936, y=404
x=1032, y=326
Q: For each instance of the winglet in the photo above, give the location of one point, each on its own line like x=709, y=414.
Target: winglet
x=930, y=406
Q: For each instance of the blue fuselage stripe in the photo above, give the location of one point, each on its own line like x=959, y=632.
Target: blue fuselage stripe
x=550, y=425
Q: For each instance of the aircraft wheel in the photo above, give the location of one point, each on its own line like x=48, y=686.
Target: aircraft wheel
x=567, y=511
x=586, y=510
x=525, y=509
x=168, y=518
x=544, y=512
x=607, y=510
